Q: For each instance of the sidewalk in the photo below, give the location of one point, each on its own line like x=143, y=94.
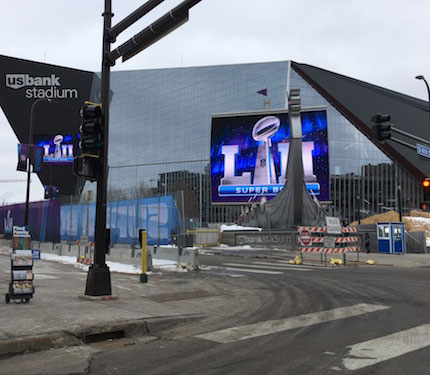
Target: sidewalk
x=58, y=316
x=392, y=260
x=395, y=260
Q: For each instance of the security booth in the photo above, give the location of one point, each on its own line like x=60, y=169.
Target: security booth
x=391, y=238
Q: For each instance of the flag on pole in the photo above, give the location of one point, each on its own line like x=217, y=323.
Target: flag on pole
x=263, y=92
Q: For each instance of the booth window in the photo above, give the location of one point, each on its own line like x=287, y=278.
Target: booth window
x=383, y=231
x=397, y=233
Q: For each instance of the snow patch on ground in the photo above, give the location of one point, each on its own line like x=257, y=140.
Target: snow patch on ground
x=227, y=247
x=225, y=228
x=162, y=264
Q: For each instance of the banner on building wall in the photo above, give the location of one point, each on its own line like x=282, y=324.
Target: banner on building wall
x=249, y=155
x=159, y=216
x=44, y=219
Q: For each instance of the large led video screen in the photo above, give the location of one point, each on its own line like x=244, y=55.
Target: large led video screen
x=249, y=155
x=58, y=149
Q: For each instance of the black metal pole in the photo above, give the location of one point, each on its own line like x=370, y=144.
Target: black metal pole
x=133, y=17
x=358, y=208
x=29, y=157
x=399, y=202
x=98, y=279
x=420, y=77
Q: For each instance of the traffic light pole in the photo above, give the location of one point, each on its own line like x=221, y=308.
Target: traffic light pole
x=98, y=279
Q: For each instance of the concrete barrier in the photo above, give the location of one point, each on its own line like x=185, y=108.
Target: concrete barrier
x=165, y=253
x=48, y=247
x=57, y=248
x=188, y=257
x=130, y=255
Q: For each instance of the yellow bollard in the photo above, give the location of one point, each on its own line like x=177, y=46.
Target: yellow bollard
x=142, y=239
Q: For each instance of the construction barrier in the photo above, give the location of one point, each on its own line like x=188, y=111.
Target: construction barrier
x=83, y=260
x=328, y=250
x=331, y=244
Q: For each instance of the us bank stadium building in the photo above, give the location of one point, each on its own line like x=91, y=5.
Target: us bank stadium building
x=160, y=131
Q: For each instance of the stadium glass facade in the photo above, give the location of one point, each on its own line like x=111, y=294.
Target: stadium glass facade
x=160, y=139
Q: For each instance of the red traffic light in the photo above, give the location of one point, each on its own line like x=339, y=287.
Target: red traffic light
x=426, y=183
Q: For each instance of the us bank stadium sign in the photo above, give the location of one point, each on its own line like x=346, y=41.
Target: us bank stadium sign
x=40, y=87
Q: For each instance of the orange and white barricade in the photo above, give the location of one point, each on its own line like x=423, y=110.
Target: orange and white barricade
x=316, y=240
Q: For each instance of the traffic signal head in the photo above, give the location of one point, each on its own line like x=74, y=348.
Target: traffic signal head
x=87, y=163
x=91, y=129
x=382, y=127
x=426, y=190
x=86, y=167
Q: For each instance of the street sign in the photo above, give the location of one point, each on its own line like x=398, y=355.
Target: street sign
x=333, y=225
x=329, y=241
x=36, y=254
x=305, y=237
x=423, y=150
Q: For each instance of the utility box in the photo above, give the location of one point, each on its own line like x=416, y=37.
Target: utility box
x=391, y=238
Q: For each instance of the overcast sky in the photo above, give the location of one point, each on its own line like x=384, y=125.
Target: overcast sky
x=384, y=42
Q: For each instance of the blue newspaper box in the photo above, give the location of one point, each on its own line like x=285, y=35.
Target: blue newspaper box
x=391, y=238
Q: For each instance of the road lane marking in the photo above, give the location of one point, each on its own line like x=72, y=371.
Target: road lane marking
x=122, y=287
x=268, y=327
x=218, y=269
x=41, y=276
x=370, y=352
x=266, y=267
x=289, y=265
x=252, y=271
x=319, y=265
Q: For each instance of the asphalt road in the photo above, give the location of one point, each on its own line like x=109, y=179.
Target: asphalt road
x=297, y=320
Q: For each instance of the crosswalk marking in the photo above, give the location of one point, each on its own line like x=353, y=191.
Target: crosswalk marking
x=252, y=271
x=122, y=287
x=268, y=327
x=274, y=267
x=370, y=352
x=317, y=265
x=41, y=276
x=288, y=265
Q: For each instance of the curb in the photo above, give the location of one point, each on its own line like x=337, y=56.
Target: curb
x=83, y=335
x=287, y=253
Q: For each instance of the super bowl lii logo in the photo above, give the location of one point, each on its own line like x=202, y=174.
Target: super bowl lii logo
x=56, y=152
x=264, y=180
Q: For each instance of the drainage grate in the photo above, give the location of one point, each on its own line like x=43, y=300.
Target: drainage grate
x=97, y=337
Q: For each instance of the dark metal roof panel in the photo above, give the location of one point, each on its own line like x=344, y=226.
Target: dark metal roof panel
x=358, y=101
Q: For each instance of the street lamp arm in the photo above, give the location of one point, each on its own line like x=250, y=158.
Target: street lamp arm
x=30, y=150
x=33, y=106
x=422, y=78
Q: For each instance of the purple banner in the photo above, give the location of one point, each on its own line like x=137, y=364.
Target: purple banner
x=37, y=158
x=22, y=157
x=44, y=219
